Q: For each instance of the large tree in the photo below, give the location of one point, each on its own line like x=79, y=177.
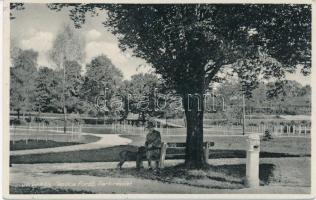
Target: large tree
x=188, y=44
x=68, y=46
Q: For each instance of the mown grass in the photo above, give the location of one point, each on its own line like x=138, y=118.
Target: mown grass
x=96, y=155
x=20, y=134
x=230, y=174
x=282, y=145
x=41, y=143
x=215, y=177
x=111, y=154
x=38, y=144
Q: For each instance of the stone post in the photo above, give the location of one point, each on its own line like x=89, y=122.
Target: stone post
x=252, y=165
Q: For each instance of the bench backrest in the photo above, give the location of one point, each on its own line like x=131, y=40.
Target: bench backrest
x=177, y=150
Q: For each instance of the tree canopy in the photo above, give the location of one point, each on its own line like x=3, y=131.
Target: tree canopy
x=102, y=78
x=22, y=74
x=192, y=42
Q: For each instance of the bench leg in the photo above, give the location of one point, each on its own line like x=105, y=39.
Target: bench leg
x=162, y=155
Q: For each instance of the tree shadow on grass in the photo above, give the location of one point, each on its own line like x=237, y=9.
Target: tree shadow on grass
x=266, y=171
x=215, y=177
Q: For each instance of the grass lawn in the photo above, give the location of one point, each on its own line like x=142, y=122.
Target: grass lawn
x=298, y=146
x=98, y=130
x=20, y=134
x=230, y=175
x=96, y=155
x=39, y=144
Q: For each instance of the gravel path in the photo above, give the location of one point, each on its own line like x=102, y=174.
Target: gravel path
x=107, y=140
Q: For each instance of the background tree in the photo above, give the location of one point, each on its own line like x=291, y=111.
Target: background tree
x=189, y=44
x=22, y=85
x=102, y=79
x=143, y=93
x=47, y=95
x=67, y=46
x=73, y=86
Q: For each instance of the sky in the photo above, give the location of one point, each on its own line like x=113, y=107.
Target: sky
x=36, y=27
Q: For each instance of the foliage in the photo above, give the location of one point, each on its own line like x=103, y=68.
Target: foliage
x=142, y=91
x=74, y=83
x=22, y=75
x=16, y=6
x=102, y=79
x=47, y=98
x=67, y=46
x=203, y=37
x=294, y=99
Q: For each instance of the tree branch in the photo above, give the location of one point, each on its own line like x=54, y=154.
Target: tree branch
x=212, y=73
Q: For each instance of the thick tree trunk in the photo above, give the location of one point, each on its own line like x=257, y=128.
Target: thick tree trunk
x=194, y=110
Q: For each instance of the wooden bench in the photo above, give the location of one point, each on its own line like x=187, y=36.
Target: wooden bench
x=176, y=150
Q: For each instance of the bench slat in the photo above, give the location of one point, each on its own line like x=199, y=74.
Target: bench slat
x=175, y=147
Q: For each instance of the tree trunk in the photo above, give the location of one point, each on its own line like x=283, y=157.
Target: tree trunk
x=64, y=99
x=65, y=119
x=194, y=155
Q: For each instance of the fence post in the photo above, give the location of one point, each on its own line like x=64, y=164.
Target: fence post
x=300, y=130
x=38, y=129
x=162, y=155
x=293, y=129
x=13, y=138
x=72, y=131
x=28, y=132
x=206, y=151
x=305, y=131
x=264, y=127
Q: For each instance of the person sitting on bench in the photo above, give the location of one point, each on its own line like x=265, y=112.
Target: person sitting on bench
x=152, y=145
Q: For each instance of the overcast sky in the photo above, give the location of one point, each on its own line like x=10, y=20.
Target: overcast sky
x=36, y=27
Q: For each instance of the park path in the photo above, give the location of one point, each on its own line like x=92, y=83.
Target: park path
x=107, y=140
